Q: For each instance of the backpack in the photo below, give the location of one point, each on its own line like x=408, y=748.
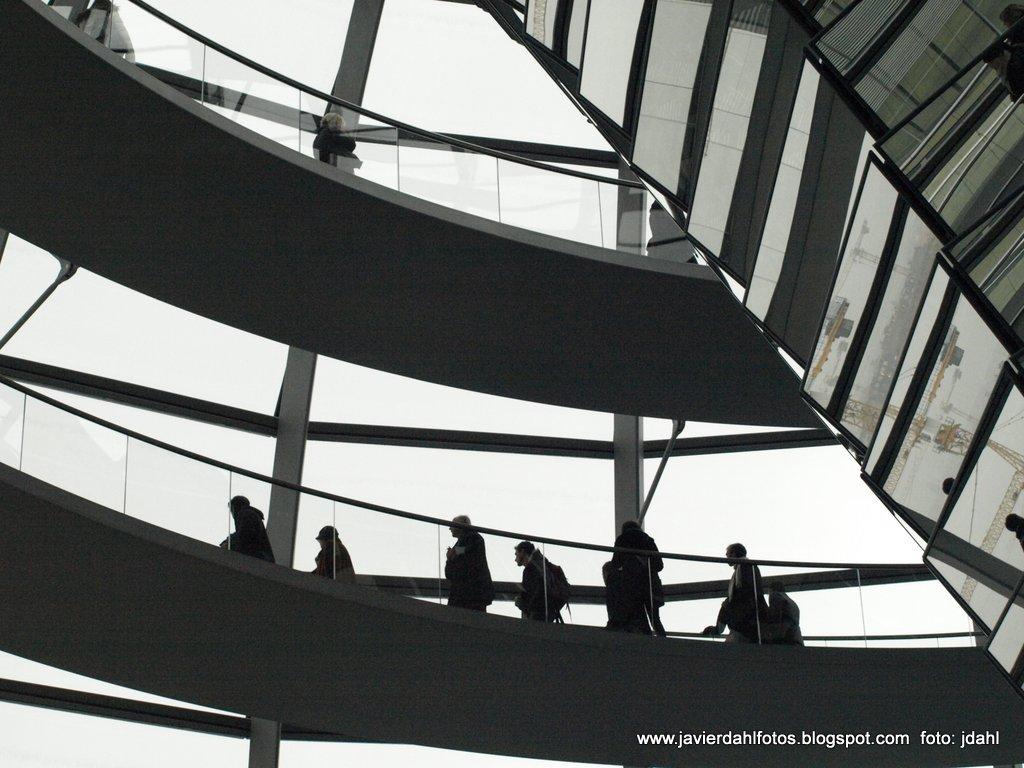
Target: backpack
x=558, y=588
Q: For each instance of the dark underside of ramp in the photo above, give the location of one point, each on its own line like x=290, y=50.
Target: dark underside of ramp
x=101, y=594
x=149, y=189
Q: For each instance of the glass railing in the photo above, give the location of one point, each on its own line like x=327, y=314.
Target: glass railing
x=426, y=557
x=503, y=187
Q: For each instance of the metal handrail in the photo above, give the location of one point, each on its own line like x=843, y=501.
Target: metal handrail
x=445, y=522
x=436, y=137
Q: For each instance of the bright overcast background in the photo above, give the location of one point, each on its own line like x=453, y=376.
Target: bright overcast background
x=447, y=67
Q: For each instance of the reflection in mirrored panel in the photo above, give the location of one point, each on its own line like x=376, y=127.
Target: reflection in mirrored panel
x=916, y=144
x=973, y=538
x=775, y=236
x=12, y=422
x=608, y=54
x=904, y=290
x=908, y=366
x=987, y=603
x=577, y=25
x=936, y=43
x=664, y=139
x=859, y=264
x=844, y=41
x=730, y=120
x=540, y=21
x=75, y=454
x=962, y=374
x=994, y=255
x=1007, y=642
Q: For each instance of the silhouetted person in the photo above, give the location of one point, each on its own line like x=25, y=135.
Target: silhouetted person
x=1015, y=523
x=466, y=568
x=623, y=600
x=783, y=617
x=640, y=574
x=250, y=536
x=331, y=142
x=533, y=600
x=333, y=560
x=947, y=485
x=744, y=609
x=1007, y=56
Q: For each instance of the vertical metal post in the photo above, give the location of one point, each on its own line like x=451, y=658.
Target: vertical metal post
x=350, y=84
x=628, y=452
x=290, y=451
x=264, y=743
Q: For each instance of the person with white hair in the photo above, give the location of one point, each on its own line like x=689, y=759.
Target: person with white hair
x=469, y=577
x=331, y=141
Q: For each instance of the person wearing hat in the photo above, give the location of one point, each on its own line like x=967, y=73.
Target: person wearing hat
x=333, y=561
x=469, y=577
x=250, y=536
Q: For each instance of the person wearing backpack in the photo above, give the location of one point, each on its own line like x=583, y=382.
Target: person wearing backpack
x=544, y=586
x=639, y=577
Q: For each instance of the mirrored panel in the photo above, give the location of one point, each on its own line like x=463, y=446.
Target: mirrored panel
x=843, y=42
x=775, y=236
x=664, y=139
x=863, y=254
x=911, y=360
x=12, y=422
x=608, y=55
x=905, y=285
x=540, y=21
x=730, y=120
x=962, y=373
x=1007, y=642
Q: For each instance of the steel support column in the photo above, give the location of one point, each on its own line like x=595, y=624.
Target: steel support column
x=628, y=446
x=350, y=84
x=264, y=743
x=290, y=451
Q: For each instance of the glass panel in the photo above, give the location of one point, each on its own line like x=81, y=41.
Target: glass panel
x=1007, y=642
x=858, y=268
x=540, y=21
x=608, y=56
x=552, y=203
x=12, y=423
x=74, y=454
x=904, y=290
x=177, y=493
x=976, y=529
x=730, y=119
x=163, y=50
x=775, y=236
x=986, y=602
x=845, y=40
x=665, y=130
x=357, y=145
x=982, y=169
x=914, y=145
x=448, y=175
x=252, y=99
x=939, y=41
x=908, y=367
x=828, y=11
x=577, y=24
x=959, y=385
x=999, y=271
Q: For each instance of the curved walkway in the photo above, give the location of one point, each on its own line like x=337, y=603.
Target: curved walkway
x=158, y=194
x=101, y=594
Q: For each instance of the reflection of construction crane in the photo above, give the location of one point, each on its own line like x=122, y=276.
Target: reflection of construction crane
x=949, y=437
x=838, y=327
x=951, y=356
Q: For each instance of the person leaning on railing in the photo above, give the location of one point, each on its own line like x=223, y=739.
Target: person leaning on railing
x=744, y=609
x=331, y=141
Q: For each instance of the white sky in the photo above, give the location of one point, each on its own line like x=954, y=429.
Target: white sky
x=447, y=67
